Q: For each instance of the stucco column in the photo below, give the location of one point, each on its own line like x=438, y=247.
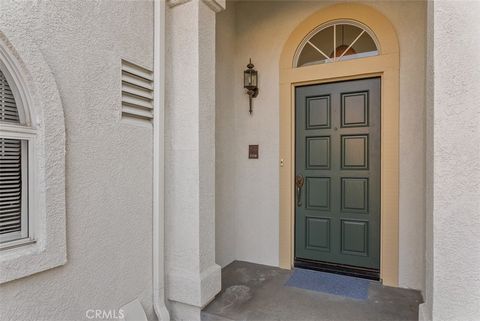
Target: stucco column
x=193, y=278
x=452, y=288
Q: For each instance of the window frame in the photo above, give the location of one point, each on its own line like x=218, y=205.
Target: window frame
x=28, y=137
x=44, y=128
x=22, y=131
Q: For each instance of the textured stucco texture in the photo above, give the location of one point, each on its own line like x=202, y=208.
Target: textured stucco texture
x=192, y=277
x=452, y=290
x=247, y=202
x=108, y=161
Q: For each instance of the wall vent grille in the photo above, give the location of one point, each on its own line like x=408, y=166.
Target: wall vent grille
x=137, y=92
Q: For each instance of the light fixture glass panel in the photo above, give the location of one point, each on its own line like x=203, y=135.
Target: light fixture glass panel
x=247, y=81
x=254, y=79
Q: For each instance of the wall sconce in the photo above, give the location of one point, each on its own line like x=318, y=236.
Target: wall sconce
x=250, y=82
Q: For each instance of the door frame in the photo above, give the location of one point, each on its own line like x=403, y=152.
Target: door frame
x=386, y=66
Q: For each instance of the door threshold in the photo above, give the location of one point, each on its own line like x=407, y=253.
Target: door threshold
x=355, y=271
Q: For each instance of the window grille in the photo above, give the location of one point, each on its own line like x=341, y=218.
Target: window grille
x=336, y=41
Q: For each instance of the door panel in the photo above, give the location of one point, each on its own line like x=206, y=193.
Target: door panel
x=337, y=147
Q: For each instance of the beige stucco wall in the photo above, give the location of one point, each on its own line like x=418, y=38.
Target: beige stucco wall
x=249, y=199
x=224, y=138
x=108, y=162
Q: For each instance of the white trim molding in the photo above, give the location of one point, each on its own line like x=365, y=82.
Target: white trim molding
x=215, y=5
x=158, y=245
x=37, y=92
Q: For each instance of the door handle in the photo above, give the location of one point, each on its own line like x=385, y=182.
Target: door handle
x=299, y=180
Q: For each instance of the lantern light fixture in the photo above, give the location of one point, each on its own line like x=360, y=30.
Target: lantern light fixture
x=250, y=82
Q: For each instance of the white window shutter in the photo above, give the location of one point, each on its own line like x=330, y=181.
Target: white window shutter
x=8, y=108
x=10, y=186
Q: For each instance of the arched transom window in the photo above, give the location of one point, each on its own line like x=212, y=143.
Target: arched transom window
x=336, y=41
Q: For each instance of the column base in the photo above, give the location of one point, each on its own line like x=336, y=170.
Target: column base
x=195, y=290
x=184, y=312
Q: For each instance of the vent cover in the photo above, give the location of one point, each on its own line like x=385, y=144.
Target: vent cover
x=137, y=92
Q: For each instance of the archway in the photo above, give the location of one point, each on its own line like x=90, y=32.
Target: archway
x=384, y=65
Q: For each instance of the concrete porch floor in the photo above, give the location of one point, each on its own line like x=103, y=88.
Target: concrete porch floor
x=257, y=292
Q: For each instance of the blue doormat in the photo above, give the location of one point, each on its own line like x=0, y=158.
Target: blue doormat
x=329, y=283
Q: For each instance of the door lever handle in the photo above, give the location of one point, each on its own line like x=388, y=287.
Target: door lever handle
x=299, y=180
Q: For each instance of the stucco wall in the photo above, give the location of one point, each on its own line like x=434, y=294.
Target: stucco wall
x=248, y=201
x=224, y=138
x=108, y=162
x=453, y=218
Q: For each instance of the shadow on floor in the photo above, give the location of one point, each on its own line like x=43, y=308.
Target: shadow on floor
x=257, y=292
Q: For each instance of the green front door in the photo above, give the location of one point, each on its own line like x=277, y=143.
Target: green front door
x=337, y=219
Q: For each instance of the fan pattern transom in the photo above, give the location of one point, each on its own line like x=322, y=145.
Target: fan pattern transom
x=336, y=41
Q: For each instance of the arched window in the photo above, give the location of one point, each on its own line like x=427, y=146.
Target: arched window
x=15, y=138
x=336, y=41
x=32, y=159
